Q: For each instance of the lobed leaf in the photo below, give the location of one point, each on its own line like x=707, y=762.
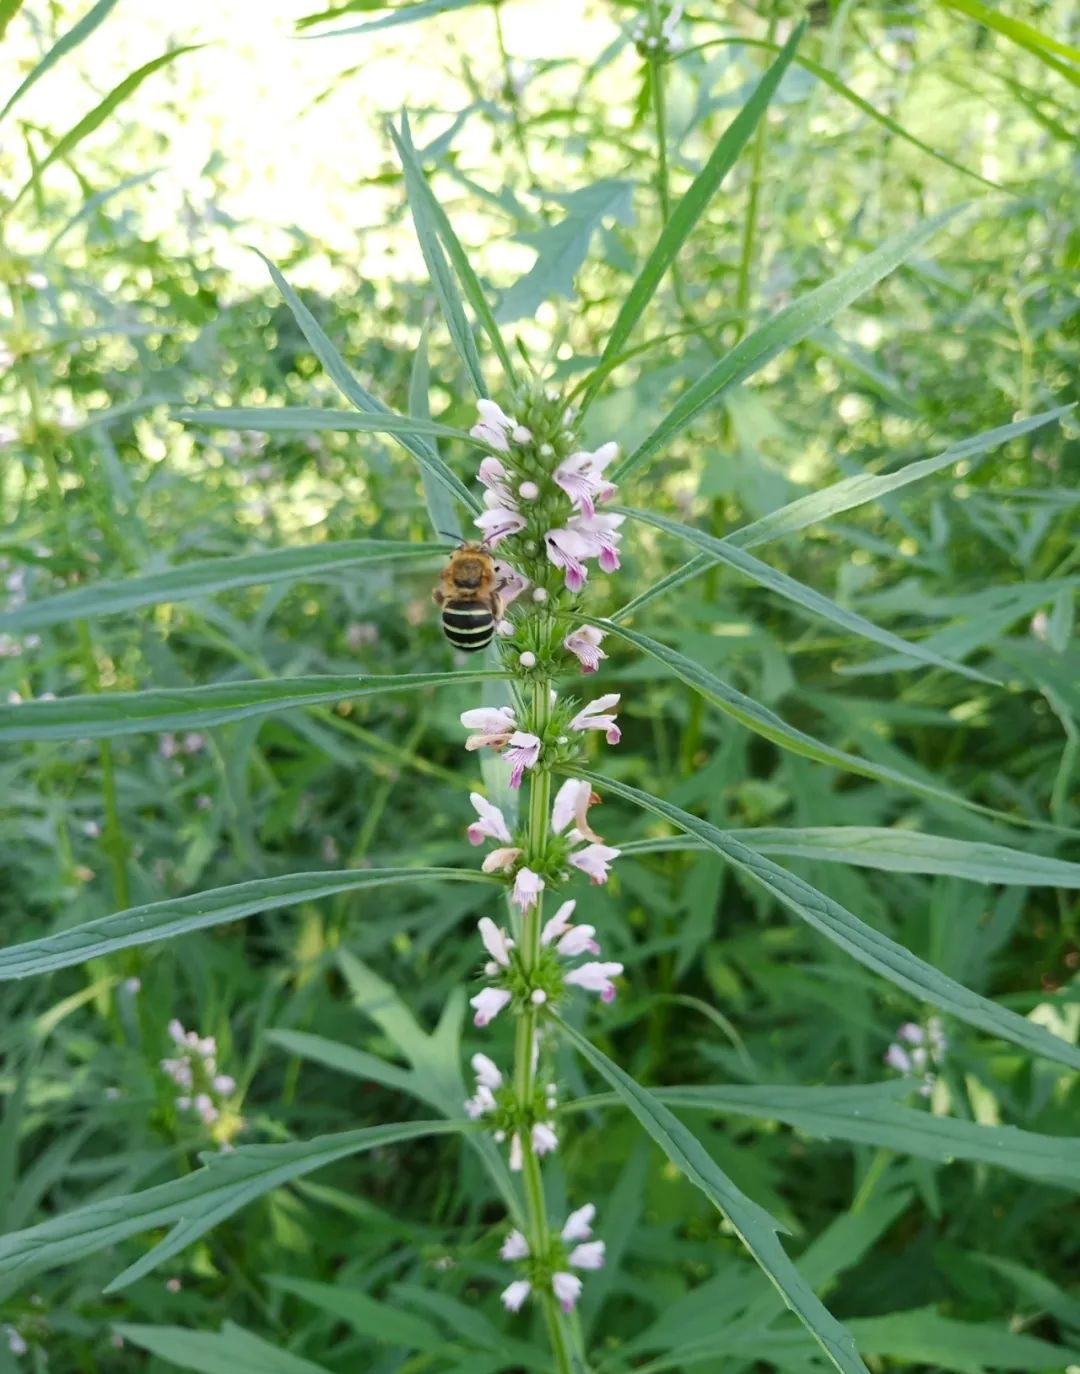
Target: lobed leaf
x=865, y=944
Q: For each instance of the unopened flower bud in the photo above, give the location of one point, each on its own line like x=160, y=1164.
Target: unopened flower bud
x=528, y=491
x=538, y=997
x=527, y=660
x=539, y=595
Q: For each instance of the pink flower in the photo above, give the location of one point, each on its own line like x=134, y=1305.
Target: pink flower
x=579, y=1224
x=494, y=426
x=898, y=1058
x=581, y=477
x=511, y=583
x=496, y=479
x=594, y=860
x=516, y=1158
x=598, y=535
x=572, y=802
x=559, y=924
x=522, y=752
x=595, y=978
x=568, y=550
x=493, y=725
x=578, y=940
x=912, y=1033
x=567, y=1288
x=527, y=889
x=491, y=824
x=584, y=643
x=494, y=939
x=488, y=1004
x=587, y=1256
x=514, y=1247
x=498, y=523
x=487, y=1071
x=515, y=1294
x=501, y=860
x=481, y=1103
x=597, y=715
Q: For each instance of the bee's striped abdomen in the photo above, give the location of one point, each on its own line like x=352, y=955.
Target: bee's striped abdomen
x=467, y=625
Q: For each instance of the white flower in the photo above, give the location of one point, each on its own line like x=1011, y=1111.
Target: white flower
x=594, y=860
x=572, y=802
x=514, y=1247
x=497, y=481
x=516, y=1160
x=578, y=940
x=514, y=1295
x=581, y=477
x=501, y=860
x=522, y=752
x=559, y=924
x=482, y=1102
x=579, y=1224
x=567, y=1288
x=488, y=1004
x=898, y=1058
x=598, y=715
x=224, y=1083
x=493, y=725
x=587, y=1256
x=567, y=550
x=584, y=643
x=495, y=941
x=527, y=889
x=544, y=1139
x=912, y=1033
x=491, y=823
x=487, y=1072
x=595, y=978
x=494, y=426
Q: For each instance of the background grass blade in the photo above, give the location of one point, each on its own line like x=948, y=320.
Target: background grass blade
x=862, y=942
x=442, y=279
x=211, y=577
x=63, y=45
x=755, y=1227
x=691, y=207
x=893, y=851
x=800, y=595
x=315, y=420
x=143, y=925
x=788, y=327
x=109, y=714
x=198, y=1201
x=232, y=1350
x=341, y=375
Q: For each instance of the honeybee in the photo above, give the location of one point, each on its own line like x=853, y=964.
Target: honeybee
x=469, y=597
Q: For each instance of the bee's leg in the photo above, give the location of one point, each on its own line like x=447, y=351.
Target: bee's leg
x=497, y=607
x=438, y=596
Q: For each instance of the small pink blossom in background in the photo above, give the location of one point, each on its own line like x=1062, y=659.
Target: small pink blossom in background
x=491, y=823
x=595, y=977
x=594, y=861
x=527, y=889
x=598, y=715
x=584, y=643
x=488, y=1004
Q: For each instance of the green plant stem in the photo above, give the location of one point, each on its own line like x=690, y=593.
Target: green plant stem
x=539, y=1236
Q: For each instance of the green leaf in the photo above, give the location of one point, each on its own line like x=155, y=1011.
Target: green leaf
x=766, y=723
x=404, y=14
x=350, y=388
x=847, y=494
x=316, y=419
x=755, y=1227
x=926, y=1339
x=1044, y=47
x=109, y=714
x=562, y=248
x=442, y=513
x=870, y=1114
x=692, y=205
x=442, y=279
x=799, y=594
x=210, y=577
x=197, y=1202
x=894, y=851
x=97, y=116
x=8, y=10
x=788, y=327
x=63, y=45
x=232, y=1350
x=379, y=1321
x=141, y=925
x=866, y=945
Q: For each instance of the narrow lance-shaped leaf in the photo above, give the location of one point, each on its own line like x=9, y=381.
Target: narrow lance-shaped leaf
x=109, y=714
x=97, y=116
x=210, y=577
x=318, y=419
x=806, y=598
x=77, y=34
x=442, y=278
x=891, y=851
x=198, y=1201
x=442, y=513
x=755, y=1227
x=788, y=327
x=142, y=925
x=868, y=946
x=692, y=205
x=770, y=726
x=342, y=377
x=844, y=495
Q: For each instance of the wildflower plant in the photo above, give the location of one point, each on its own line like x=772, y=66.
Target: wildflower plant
x=542, y=728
